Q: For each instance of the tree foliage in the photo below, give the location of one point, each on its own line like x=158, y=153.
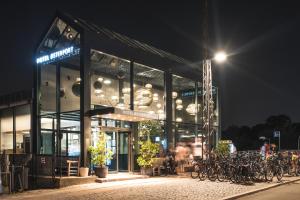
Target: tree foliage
x=222, y=148
x=247, y=138
x=100, y=153
x=148, y=151
x=150, y=128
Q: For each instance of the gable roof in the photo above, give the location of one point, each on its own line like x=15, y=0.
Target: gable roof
x=121, y=45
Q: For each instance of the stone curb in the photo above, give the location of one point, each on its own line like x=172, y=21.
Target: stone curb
x=259, y=190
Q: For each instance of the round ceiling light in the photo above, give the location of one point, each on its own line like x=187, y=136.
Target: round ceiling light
x=174, y=95
x=179, y=107
x=148, y=86
x=191, y=109
x=126, y=90
x=178, y=101
x=144, y=97
x=178, y=119
x=107, y=82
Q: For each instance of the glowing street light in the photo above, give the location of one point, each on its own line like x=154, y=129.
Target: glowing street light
x=220, y=57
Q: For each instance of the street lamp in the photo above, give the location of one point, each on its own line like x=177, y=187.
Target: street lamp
x=298, y=142
x=208, y=102
x=220, y=57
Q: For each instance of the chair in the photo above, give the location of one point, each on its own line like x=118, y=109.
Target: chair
x=73, y=167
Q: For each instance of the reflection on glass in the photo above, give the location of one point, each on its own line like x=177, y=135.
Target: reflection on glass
x=183, y=100
x=149, y=90
x=110, y=82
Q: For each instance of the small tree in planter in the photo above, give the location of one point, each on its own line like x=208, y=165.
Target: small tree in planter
x=100, y=154
x=222, y=148
x=148, y=151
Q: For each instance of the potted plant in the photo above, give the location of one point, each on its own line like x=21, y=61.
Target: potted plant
x=100, y=154
x=148, y=151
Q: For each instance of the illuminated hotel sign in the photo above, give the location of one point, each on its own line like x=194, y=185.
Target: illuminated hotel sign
x=58, y=55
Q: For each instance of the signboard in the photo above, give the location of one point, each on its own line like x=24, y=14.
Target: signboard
x=58, y=55
x=276, y=134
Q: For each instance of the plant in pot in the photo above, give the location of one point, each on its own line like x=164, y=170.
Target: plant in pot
x=100, y=154
x=148, y=151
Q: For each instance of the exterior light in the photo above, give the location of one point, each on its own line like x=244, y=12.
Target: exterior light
x=78, y=79
x=221, y=57
x=151, y=112
x=158, y=105
x=100, y=79
x=107, y=82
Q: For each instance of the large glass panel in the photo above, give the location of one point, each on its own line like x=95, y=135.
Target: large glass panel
x=70, y=86
x=123, y=151
x=59, y=72
x=60, y=35
x=111, y=143
x=6, y=131
x=47, y=142
x=23, y=129
x=110, y=81
x=149, y=90
x=48, y=89
x=183, y=100
x=73, y=144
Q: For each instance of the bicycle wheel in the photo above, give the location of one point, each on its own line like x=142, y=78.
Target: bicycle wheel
x=221, y=174
x=279, y=173
x=269, y=175
x=195, y=171
x=212, y=174
x=202, y=174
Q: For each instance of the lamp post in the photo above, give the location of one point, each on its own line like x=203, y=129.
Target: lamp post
x=298, y=142
x=207, y=101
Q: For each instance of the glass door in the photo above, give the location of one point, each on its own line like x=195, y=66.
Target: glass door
x=111, y=143
x=123, y=153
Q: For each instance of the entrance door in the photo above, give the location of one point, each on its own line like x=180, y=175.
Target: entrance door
x=123, y=151
x=111, y=143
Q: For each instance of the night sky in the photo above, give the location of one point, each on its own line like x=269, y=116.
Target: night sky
x=263, y=38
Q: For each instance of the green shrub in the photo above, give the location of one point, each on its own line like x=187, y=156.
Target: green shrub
x=100, y=153
x=148, y=151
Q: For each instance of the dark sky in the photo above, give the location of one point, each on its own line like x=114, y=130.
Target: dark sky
x=263, y=37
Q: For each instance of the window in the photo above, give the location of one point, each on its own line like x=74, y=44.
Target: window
x=110, y=81
x=149, y=90
x=183, y=100
x=23, y=129
x=7, y=131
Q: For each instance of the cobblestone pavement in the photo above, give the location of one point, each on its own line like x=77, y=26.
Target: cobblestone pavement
x=151, y=188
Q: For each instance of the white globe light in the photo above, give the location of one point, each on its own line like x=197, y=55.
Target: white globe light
x=220, y=56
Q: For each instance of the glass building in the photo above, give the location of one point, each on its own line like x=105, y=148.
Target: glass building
x=87, y=80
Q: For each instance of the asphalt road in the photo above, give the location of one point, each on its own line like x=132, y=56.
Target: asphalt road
x=289, y=192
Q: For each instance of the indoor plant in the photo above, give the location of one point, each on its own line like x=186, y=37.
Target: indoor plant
x=100, y=154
